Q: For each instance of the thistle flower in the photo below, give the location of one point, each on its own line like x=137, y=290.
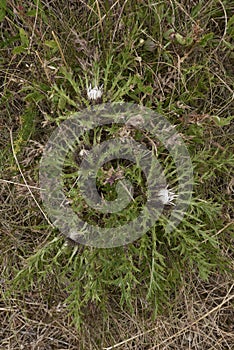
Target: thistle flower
x=166, y=196
x=95, y=92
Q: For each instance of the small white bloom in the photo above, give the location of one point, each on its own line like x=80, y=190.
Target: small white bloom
x=83, y=152
x=94, y=93
x=167, y=196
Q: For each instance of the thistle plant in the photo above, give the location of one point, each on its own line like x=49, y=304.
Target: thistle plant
x=59, y=60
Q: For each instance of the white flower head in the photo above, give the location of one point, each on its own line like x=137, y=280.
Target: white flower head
x=166, y=196
x=95, y=92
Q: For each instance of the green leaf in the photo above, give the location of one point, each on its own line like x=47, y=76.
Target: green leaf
x=222, y=121
x=51, y=44
x=180, y=39
x=196, y=9
x=3, y=6
x=32, y=13
x=167, y=35
x=62, y=102
x=18, y=50
x=27, y=120
x=228, y=44
x=206, y=38
x=230, y=26
x=24, y=38
x=35, y=96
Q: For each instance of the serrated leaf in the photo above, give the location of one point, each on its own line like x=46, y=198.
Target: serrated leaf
x=206, y=38
x=51, y=44
x=32, y=13
x=222, y=121
x=34, y=96
x=24, y=38
x=18, y=50
x=62, y=102
x=27, y=120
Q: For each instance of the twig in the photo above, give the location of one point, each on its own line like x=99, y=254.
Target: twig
x=60, y=49
x=17, y=183
x=34, y=27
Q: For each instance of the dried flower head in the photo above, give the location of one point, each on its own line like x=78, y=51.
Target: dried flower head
x=166, y=196
x=95, y=92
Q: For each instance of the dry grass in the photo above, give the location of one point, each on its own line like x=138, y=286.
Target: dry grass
x=202, y=319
